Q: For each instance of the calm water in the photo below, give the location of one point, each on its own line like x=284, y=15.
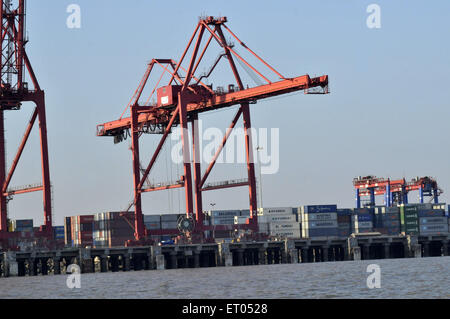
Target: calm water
x=400, y=278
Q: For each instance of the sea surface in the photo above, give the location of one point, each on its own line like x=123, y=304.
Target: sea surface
x=399, y=278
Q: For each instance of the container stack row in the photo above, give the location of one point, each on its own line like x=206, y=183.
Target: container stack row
x=310, y=221
x=279, y=222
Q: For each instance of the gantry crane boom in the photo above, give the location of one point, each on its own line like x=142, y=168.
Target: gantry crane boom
x=161, y=115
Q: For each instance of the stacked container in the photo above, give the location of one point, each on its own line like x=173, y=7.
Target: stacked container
x=59, y=233
x=22, y=225
x=433, y=222
x=169, y=221
x=82, y=230
x=286, y=230
x=118, y=228
x=362, y=220
x=223, y=217
x=387, y=220
x=319, y=221
x=152, y=222
x=67, y=231
x=100, y=228
x=279, y=222
x=409, y=219
x=344, y=220
x=240, y=220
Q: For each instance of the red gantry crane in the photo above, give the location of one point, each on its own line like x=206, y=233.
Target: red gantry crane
x=181, y=100
x=395, y=191
x=14, y=90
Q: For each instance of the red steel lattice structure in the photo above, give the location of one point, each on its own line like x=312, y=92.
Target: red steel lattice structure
x=395, y=191
x=181, y=103
x=14, y=90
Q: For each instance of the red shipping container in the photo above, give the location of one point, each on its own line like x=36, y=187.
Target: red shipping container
x=85, y=219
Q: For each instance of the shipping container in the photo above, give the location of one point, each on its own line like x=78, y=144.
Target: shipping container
x=431, y=213
x=287, y=233
x=169, y=218
x=344, y=211
x=433, y=220
x=278, y=218
x=152, y=218
x=391, y=216
x=320, y=224
x=360, y=224
x=275, y=211
x=424, y=206
x=361, y=211
x=23, y=223
x=363, y=218
x=84, y=219
x=224, y=213
x=240, y=220
x=278, y=226
x=222, y=221
x=152, y=226
x=318, y=209
x=245, y=213
x=320, y=232
x=263, y=228
x=440, y=228
x=319, y=217
x=391, y=223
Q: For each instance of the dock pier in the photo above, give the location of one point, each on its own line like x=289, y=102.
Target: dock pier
x=91, y=260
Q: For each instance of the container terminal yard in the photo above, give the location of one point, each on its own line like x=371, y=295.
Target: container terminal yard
x=130, y=240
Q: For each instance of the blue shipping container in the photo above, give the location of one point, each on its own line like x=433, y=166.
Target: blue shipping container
x=431, y=213
x=364, y=218
x=320, y=232
x=320, y=209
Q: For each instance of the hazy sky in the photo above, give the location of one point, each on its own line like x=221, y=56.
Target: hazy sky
x=387, y=114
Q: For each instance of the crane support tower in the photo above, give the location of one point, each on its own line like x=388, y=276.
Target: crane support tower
x=15, y=71
x=182, y=99
x=395, y=192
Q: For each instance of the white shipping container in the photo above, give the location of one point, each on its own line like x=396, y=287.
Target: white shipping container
x=288, y=233
x=278, y=226
x=275, y=211
x=318, y=217
x=279, y=218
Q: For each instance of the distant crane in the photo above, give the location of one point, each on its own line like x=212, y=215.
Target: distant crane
x=395, y=191
x=182, y=102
